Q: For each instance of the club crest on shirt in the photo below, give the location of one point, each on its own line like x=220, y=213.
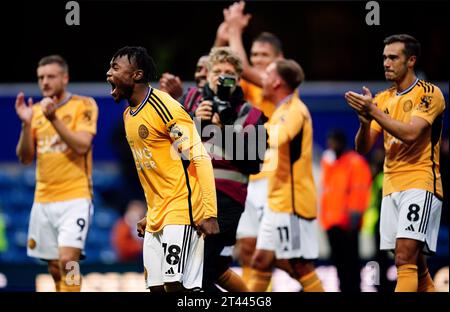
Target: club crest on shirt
x=425, y=102
x=143, y=131
x=407, y=106
x=87, y=116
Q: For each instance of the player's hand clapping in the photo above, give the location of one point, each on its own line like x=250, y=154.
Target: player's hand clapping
x=49, y=108
x=24, y=110
x=361, y=103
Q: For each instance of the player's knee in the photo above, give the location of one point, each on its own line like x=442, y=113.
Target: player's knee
x=406, y=252
x=261, y=263
x=173, y=287
x=67, y=261
x=403, y=257
x=54, y=270
x=246, y=249
x=303, y=267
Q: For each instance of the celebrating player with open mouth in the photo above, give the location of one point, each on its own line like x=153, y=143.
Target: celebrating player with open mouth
x=175, y=172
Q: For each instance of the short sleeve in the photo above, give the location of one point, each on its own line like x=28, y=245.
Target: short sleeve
x=429, y=105
x=87, y=116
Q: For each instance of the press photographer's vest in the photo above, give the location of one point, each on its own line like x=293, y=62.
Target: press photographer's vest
x=229, y=179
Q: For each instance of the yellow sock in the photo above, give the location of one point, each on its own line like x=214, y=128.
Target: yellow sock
x=311, y=283
x=426, y=283
x=269, y=287
x=259, y=280
x=72, y=285
x=407, y=279
x=232, y=282
x=246, y=273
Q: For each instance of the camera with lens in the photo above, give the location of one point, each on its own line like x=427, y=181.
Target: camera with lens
x=222, y=103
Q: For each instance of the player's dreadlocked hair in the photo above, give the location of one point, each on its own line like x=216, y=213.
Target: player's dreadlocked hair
x=143, y=61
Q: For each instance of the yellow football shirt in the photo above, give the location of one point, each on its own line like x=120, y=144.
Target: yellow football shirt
x=157, y=131
x=62, y=174
x=415, y=165
x=291, y=184
x=253, y=95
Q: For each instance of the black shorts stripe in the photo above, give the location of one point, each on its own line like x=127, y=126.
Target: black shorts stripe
x=430, y=204
x=426, y=212
x=157, y=109
x=188, y=246
x=183, y=248
x=157, y=99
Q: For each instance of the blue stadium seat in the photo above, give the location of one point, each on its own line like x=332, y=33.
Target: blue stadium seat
x=98, y=238
x=6, y=180
x=442, y=248
x=28, y=178
x=105, y=217
x=104, y=180
x=108, y=256
x=92, y=255
x=16, y=199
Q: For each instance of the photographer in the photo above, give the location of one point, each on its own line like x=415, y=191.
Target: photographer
x=222, y=110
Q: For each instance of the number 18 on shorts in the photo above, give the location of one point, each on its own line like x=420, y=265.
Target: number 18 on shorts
x=174, y=254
